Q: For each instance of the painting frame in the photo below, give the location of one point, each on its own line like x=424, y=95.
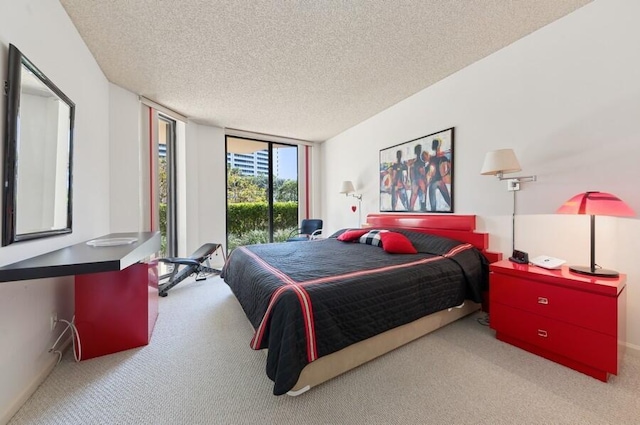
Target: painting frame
x=417, y=176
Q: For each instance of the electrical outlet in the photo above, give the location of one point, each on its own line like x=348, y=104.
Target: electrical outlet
x=54, y=320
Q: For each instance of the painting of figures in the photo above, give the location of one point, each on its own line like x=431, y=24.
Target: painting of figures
x=417, y=176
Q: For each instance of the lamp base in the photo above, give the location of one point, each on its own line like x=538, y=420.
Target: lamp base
x=596, y=272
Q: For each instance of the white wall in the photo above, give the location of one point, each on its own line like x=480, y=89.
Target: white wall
x=205, y=186
x=126, y=161
x=567, y=99
x=44, y=33
x=201, y=174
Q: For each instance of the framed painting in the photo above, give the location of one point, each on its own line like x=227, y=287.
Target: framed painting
x=417, y=176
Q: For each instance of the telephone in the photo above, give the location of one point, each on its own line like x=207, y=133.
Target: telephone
x=519, y=257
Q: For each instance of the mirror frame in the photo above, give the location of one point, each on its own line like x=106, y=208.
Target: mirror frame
x=12, y=131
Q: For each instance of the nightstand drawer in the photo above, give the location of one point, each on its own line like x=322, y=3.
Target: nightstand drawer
x=584, y=309
x=582, y=345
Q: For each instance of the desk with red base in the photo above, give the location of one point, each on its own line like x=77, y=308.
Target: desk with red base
x=116, y=289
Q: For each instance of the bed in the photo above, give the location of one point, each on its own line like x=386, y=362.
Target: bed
x=322, y=307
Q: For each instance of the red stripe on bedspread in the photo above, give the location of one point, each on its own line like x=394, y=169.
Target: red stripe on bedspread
x=305, y=304
x=305, y=300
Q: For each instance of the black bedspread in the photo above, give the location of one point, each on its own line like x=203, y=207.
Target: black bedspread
x=310, y=299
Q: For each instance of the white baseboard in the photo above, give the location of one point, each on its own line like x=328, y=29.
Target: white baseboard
x=632, y=346
x=33, y=385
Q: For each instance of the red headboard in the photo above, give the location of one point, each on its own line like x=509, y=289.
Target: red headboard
x=458, y=227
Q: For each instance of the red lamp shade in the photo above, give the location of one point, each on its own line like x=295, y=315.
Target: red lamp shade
x=596, y=203
x=593, y=204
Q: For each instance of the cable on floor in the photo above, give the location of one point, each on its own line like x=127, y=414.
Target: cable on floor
x=484, y=321
x=74, y=336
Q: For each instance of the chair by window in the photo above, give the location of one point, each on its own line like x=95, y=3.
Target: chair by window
x=309, y=229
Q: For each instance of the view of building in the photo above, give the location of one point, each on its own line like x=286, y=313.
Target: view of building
x=252, y=164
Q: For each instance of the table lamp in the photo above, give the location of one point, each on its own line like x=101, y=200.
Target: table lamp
x=595, y=203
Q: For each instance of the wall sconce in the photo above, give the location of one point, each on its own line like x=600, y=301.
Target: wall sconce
x=593, y=204
x=501, y=162
x=348, y=189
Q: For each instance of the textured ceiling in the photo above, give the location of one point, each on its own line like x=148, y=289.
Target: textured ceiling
x=305, y=69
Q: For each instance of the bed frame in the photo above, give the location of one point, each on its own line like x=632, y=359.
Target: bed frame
x=459, y=227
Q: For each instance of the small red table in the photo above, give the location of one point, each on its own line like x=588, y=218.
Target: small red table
x=572, y=319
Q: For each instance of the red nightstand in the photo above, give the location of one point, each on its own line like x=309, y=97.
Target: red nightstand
x=572, y=319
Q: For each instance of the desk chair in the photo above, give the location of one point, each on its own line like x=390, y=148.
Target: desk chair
x=309, y=229
x=197, y=263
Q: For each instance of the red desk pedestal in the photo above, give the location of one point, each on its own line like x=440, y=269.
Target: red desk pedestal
x=116, y=310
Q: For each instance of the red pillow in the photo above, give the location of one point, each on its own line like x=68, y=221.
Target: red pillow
x=396, y=243
x=352, y=235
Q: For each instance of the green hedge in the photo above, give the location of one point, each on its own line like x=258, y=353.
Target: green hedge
x=247, y=222
x=163, y=229
x=243, y=217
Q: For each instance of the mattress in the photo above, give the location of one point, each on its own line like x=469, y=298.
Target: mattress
x=309, y=299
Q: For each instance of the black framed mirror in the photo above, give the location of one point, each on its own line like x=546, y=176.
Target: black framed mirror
x=38, y=152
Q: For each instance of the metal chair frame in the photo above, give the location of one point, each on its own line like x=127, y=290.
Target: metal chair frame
x=198, y=263
x=302, y=233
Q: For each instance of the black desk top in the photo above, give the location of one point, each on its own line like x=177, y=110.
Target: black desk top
x=82, y=258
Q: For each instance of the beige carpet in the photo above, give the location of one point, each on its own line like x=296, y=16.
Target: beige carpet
x=199, y=369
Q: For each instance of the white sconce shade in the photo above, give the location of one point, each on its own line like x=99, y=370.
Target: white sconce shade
x=500, y=162
x=503, y=161
x=347, y=187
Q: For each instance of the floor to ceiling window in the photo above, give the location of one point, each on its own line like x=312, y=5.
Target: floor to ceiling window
x=167, y=185
x=262, y=191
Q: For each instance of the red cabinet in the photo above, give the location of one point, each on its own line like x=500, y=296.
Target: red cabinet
x=572, y=319
x=116, y=310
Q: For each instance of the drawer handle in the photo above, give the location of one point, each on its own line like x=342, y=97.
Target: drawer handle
x=542, y=333
x=543, y=300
